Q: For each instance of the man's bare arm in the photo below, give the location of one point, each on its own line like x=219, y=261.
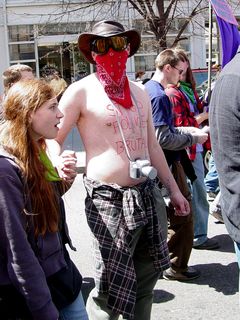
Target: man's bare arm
x=70, y=107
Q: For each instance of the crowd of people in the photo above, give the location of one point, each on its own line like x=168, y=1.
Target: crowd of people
x=146, y=200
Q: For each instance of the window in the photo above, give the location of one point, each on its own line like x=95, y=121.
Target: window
x=215, y=43
x=177, y=24
x=20, y=33
x=23, y=51
x=148, y=45
x=145, y=63
x=184, y=44
x=62, y=28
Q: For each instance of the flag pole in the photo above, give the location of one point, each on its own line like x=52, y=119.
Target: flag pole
x=210, y=51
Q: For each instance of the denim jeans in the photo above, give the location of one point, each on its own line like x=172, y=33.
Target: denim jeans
x=237, y=250
x=199, y=202
x=211, y=179
x=74, y=311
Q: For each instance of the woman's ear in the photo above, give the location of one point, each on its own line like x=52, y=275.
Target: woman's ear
x=30, y=117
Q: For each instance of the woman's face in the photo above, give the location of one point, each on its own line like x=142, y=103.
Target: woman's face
x=173, y=74
x=184, y=74
x=44, y=120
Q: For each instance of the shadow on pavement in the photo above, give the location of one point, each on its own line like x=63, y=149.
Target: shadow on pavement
x=223, y=278
x=225, y=242
x=160, y=296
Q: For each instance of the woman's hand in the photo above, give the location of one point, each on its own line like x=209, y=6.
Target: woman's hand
x=67, y=166
x=201, y=117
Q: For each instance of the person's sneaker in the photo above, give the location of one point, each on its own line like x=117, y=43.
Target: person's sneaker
x=188, y=275
x=211, y=196
x=209, y=244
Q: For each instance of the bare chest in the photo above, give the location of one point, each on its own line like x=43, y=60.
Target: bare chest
x=111, y=124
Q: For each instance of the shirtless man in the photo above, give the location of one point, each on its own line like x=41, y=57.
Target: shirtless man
x=113, y=116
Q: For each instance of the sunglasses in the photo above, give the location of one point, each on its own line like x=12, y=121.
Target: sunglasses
x=102, y=45
x=180, y=71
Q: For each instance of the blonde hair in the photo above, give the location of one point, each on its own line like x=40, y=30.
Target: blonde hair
x=22, y=99
x=59, y=85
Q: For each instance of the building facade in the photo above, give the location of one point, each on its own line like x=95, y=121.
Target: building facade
x=45, y=32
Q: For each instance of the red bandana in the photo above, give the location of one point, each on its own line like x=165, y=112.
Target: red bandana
x=111, y=70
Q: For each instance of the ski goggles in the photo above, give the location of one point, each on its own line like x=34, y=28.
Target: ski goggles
x=102, y=45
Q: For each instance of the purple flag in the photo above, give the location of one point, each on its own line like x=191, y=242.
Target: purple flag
x=228, y=29
x=230, y=40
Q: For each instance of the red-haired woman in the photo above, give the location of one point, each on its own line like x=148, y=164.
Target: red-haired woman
x=38, y=280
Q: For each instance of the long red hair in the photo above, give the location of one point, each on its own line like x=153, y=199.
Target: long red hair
x=189, y=74
x=23, y=98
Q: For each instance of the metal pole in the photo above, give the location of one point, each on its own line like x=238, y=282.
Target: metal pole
x=210, y=52
x=36, y=50
x=5, y=21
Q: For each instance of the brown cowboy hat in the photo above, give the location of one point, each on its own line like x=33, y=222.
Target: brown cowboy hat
x=105, y=29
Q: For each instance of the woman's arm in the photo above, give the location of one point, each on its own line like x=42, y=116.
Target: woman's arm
x=24, y=270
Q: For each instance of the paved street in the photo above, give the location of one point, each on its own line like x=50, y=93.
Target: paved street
x=213, y=296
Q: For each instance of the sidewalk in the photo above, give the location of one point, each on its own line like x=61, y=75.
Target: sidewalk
x=213, y=296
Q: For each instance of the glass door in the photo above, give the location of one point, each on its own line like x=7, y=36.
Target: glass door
x=51, y=55
x=66, y=58
x=80, y=67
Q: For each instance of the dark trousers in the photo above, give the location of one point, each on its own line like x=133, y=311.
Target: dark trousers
x=180, y=229
x=146, y=279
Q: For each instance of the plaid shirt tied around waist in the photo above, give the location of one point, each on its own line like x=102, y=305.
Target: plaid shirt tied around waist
x=113, y=213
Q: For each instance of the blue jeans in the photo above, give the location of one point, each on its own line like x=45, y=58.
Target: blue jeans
x=237, y=250
x=211, y=179
x=199, y=202
x=75, y=311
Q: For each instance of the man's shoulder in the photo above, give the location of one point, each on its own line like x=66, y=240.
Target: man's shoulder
x=228, y=79
x=232, y=68
x=154, y=85
x=136, y=85
x=155, y=90
x=138, y=89
x=172, y=89
x=151, y=83
x=91, y=78
x=81, y=86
